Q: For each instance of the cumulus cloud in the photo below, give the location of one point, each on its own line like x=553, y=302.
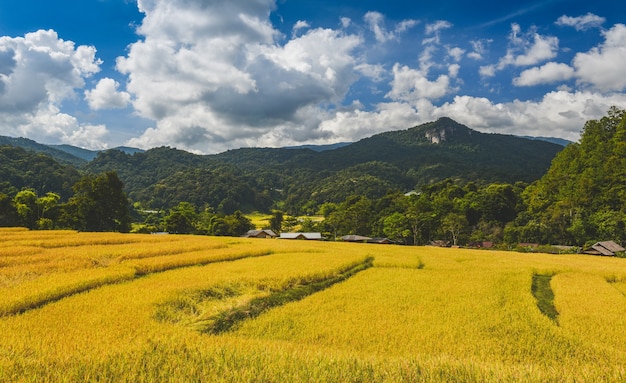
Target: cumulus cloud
x=38, y=72
x=603, y=67
x=546, y=74
x=581, y=23
x=411, y=85
x=212, y=82
x=524, y=50
x=456, y=53
x=558, y=114
x=106, y=95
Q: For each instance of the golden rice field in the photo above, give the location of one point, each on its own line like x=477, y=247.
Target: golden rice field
x=159, y=308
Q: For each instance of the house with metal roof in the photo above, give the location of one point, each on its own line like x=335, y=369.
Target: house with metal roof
x=305, y=236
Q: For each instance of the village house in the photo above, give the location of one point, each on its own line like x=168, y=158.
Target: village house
x=305, y=236
x=266, y=233
x=355, y=238
x=605, y=248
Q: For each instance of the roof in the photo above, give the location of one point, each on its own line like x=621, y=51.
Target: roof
x=608, y=248
x=300, y=236
x=260, y=233
x=355, y=238
x=385, y=241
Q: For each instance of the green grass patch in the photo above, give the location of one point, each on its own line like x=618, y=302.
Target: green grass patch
x=544, y=295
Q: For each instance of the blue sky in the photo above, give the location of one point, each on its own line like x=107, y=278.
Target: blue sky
x=211, y=75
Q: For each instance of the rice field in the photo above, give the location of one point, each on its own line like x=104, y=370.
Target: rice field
x=143, y=308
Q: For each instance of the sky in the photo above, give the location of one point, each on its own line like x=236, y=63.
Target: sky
x=211, y=75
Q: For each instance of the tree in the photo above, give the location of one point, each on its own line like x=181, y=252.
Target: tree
x=419, y=215
x=276, y=221
x=181, y=219
x=100, y=204
x=290, y=223
x=8, y=213
x=581, y=197
x=396, y=227
x=45, y=205
x=26, y=205
x=454, y=224
x=231, y=225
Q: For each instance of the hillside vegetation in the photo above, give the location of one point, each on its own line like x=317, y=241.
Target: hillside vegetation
x=464, y=187
x=121, y=307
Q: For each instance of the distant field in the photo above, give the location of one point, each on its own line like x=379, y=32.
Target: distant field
x=124, y=307
x=261, y=220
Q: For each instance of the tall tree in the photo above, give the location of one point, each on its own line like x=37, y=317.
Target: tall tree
x=8, y=213
x=26, y=205
x=581, y=198
x=181, y=219
x=100, y=203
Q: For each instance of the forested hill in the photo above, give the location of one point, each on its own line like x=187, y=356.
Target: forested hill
x=256, y=178
x=33, y=146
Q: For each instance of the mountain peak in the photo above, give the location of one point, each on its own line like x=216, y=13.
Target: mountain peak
x=443, y=129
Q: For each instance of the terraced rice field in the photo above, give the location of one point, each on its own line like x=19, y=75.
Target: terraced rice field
x=120, y=307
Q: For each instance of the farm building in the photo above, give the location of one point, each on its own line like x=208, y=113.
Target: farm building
x=362, y=239
x=306, y=236
x=383, y=241
x=260, y=234
x=606, y=248
x=355, y=238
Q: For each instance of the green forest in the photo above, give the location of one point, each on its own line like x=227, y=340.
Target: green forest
x=438, y=181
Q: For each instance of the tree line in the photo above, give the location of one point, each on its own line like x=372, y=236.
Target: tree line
x=580, y=199
x=98, y=203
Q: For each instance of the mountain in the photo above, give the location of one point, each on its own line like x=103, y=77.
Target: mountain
x=22, y=168
x=554, y=140
x=89, y=155
x=301, y=178
x=320, y=148
x=75, y=151
x=58, y=154
x=66, y=154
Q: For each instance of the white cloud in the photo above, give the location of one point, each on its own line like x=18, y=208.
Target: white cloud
x=375, y=22
x=453, y=70
x=603, y=67
x=405, y=25
x=546, y=74
x=581, y=23
x=479, y=49
x=524, y=50
x=106, y=95
x=433, y=29
x=410, y=85
x=558, y=114
x=357, y=124
x=487, y=70
x=437, y=26
x=541, y=49
x=300, y=24
x=456, y=53
x=38, y=72
x=211, y=83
